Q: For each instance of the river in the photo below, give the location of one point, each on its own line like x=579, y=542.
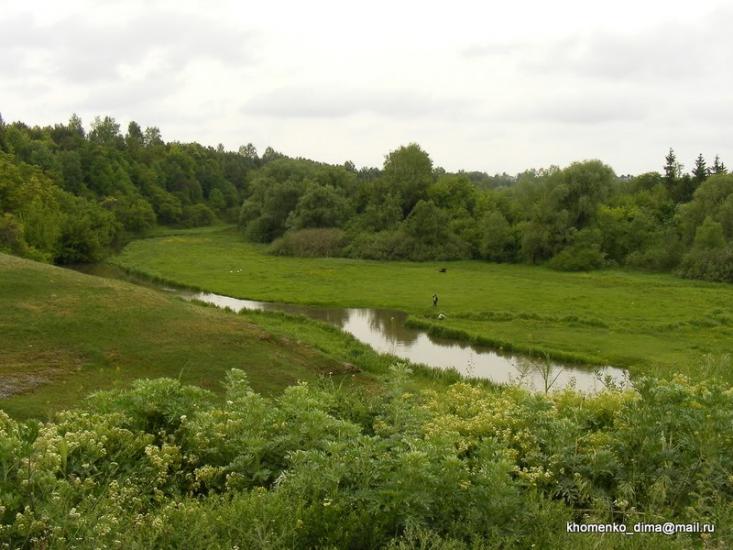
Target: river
x=385, y=332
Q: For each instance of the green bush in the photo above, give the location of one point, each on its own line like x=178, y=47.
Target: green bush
x=321, y=242
x=708, y=264
x=373, y=246
x=583, y=254
x=197, y=215
x=88, y=231
x=163, y=464
x=577, y=258
x=12, y=239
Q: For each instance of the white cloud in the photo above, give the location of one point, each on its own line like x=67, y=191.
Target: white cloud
x=492, y=86
x=336, y=103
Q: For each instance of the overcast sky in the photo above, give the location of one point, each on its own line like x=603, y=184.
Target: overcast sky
x=494, y=86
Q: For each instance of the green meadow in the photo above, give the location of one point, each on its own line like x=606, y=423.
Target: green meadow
x=650, y=323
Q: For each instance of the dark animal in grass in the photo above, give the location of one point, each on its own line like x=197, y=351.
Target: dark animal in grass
x=435, y=300
x=442, y=270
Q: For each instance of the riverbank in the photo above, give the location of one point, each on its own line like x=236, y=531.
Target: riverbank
x=649, y=323
x=64, y=334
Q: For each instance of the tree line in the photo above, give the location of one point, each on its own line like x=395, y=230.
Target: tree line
x=577, y=218
x=67, y=195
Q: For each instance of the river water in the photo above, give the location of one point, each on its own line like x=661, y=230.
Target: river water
x=385, y=332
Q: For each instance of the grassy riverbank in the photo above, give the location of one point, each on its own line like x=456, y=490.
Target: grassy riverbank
x=650, y=323
x=64, y=334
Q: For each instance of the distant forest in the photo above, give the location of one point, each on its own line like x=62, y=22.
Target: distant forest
x=71, y=196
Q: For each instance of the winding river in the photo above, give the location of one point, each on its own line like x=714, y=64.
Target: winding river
x=385, y=332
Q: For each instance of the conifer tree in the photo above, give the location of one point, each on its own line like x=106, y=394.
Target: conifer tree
x=700, y=173
x=672, y=168
x=718, y=166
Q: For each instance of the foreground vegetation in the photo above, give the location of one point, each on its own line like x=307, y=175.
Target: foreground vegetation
x=64, y=334
x=165, y=465
x=650, y=323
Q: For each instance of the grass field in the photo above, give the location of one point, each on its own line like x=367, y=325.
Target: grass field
x=64, y=334
x=650, y=323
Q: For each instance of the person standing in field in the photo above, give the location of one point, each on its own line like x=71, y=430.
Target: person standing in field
x=435, y=300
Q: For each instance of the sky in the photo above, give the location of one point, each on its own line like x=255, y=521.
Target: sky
x=485, y=85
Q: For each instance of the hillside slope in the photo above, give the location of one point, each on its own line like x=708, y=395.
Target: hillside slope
x=64, y=334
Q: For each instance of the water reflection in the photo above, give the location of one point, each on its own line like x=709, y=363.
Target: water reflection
x=385, y=331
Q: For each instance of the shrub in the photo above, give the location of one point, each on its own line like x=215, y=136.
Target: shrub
x=321, y=242
x=163, y=464
x=575, y=258
x=712, y=264
x=373, y=246
x=401, y=245
x=584, y=254
x=197, y=215
x=11, y=235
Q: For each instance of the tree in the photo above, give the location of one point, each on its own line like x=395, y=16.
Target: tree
x=12, y=237
x=409, y=172
x=135, y=214
x=179, y=169
x=32, y=198
x=249, y=152
x=536, y=244
x=166, y=205
x=713, y=199
x=582, y=187
x=672, y=168
x=625, y=227
x=264, y=214
x=498, y=242
x=718, y=166
x=646, y=182
x=455, y=193
x=75, y=125
x=383, y=211
x=426, y=235
x=270, y=154
x=684, y=188
x=709, y=258
x=72, y=172
x=709, y=235
x=427, y=223
x=87, y=231
x=320, y=206
x=700, y=172
x=152, y=137
x=105, y=131
x=135, y=133
x=217, y=200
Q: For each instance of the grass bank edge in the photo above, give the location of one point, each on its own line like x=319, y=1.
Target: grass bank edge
x=413, y=321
